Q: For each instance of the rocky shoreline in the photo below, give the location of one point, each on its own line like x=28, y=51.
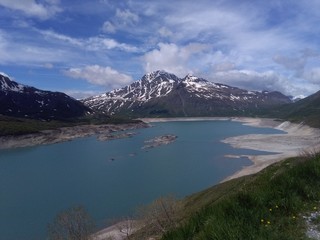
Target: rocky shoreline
x=104, y=133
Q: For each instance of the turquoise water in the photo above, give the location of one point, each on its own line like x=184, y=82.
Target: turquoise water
x=38, y=182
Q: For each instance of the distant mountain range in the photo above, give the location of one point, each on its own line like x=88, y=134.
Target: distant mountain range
x=160, y=94
x=19, y=100
x=157, y=94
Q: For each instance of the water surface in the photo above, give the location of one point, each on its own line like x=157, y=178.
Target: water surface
x=112, y=178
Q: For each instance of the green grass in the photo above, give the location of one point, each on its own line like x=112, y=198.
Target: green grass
x=269, y=205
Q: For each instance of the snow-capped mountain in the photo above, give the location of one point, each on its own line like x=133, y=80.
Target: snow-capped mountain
x=23, y=101
x=163, y=94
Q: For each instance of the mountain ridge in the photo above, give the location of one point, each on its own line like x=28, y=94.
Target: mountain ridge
x=160, y=93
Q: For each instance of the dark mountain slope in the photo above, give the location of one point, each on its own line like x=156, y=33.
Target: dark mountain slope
x=306, y=110
x=18, y=100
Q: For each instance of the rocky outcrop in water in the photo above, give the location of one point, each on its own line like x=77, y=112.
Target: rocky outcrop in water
x=159, y=141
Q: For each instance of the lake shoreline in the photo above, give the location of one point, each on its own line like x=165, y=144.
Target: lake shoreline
x=67, y=134
x=296, y=139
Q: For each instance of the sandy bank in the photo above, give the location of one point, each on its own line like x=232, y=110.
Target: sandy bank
x=296, y=139
x=67, y=134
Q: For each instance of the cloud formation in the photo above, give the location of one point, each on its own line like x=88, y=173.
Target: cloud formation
x=32, y=8
x=98, y=75
x=172, y=58
x=251, y=44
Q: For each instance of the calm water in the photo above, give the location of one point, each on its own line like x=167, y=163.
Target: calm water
x=38, y=182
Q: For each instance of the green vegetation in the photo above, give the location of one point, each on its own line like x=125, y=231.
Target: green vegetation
x=20, y=126
x=268, y=205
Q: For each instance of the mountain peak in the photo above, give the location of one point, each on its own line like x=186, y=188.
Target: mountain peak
x=160, y=93
x=2, y=74
x=190, y=77
x=6, y=84
x=159, y=74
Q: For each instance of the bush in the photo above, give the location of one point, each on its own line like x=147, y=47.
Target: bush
x=71, y=224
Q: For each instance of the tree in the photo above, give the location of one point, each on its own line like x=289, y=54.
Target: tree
x=161, y=215
x=71, y=224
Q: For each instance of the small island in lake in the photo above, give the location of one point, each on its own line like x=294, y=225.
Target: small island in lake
x=159, y=141
x=106, y=137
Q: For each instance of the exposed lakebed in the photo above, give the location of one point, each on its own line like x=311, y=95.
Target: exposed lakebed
x=37, y=182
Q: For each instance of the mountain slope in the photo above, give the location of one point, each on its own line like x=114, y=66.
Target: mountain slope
x=23, y=101
x=306, y=110
x=163, y=94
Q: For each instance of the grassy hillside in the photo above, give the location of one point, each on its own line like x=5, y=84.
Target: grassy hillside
x=269, y=205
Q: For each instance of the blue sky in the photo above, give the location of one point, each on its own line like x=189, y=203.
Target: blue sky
x=86, y=48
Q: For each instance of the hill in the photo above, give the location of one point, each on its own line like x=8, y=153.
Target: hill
x=306, y=110
x=281, y=202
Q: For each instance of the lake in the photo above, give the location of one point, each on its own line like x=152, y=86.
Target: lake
x=112, y=178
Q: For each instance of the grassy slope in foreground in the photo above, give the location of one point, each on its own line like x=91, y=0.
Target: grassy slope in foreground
x=267, y=205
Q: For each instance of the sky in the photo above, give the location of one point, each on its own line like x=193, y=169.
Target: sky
x=85, y=48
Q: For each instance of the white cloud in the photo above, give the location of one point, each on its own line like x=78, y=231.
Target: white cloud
x=123, y=20
x=297, y=64
x=313, y=75
x=172, y=58
x=100, y=43
x=108, y=27
x=12, y=51
x=165, y=32
x=127, y=17
x=48, y=65
x=80, y=94
x=98, y=75
x=92, y=44
x=223, y=66
x=252, y=80
x=291, y=63
x=51, y=35
x=32, y=8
